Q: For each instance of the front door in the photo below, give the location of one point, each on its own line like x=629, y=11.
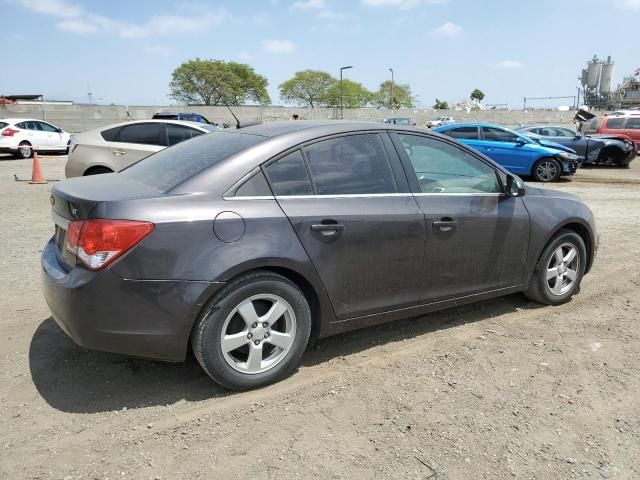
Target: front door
x=502, y=146
x=476, y=236
x=53, y=137
x=348, y=201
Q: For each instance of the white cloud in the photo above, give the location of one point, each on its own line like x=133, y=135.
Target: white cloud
x=55, y=8
x=308, y=4
x=402, y=4
x=510, y=64
x=448, y=29
x=245, y=56
x=632, y=4
x=159, y=50
x=279, y=46
x=77, y=20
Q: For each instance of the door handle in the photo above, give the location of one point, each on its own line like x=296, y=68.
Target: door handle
x=445, y=224
x=488, y=149
x=119, y=153
x=327, y=229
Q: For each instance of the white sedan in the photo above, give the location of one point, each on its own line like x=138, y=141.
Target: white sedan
x=20, y=136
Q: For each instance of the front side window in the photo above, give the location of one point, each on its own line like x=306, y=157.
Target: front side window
x=354, y=164
x=495, y=134
x=179, y=133
x=143, y=133
x=445, y=168
x=47, y=128
x=615, y=123
x=288, y=175
x=467, y=133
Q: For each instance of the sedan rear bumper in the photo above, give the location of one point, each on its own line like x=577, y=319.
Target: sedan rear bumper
x=141, y=318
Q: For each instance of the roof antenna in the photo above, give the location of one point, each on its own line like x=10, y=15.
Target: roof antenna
x=238, y=124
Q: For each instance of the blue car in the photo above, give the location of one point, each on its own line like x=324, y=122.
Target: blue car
x=542, y=160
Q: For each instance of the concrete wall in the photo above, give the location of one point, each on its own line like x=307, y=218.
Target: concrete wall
x=78, y=118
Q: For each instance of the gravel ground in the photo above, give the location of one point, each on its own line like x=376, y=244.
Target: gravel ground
x=501, y=389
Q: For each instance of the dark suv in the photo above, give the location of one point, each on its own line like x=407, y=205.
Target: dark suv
x=246, y=243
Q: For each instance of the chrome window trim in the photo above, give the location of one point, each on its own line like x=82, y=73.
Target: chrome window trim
x=251, y=197
x=366, y=195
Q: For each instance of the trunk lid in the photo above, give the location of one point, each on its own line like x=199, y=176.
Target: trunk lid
x=76, y=198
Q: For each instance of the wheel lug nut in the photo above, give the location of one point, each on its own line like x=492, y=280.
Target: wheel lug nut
x=250, y=335
x=257, y=342
x=266, y=335
x=254, y=325
x=265, y=324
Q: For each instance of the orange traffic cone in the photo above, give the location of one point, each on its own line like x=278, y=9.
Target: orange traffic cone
x=36, y=171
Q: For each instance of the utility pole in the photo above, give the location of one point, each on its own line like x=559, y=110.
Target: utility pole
x=391, y=99
x=341, y=106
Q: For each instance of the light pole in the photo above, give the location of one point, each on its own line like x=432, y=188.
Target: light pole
x=341, y=106
x=391, y=97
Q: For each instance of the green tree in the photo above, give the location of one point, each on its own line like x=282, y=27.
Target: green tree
x=477, y=94
x=402, y=96
x=308, y=87
x=441, y=105
x=216, y=82
x=354, y=95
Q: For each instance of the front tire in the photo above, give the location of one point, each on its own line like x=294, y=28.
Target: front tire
x=254, y=332
x=559, y=270
x=547, y=170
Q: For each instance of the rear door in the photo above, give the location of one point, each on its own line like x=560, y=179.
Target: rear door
x=34, y=134
x=476, y=236
x=136, y=141
x=348, y=200
x=632, y=129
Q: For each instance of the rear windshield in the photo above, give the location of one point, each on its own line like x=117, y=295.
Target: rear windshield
x=170, y=167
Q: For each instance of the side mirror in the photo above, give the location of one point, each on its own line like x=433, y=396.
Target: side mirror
x=515, y=186
x=59, y=130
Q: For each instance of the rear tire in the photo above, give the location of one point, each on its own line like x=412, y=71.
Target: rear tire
x=559, y=270
x=546, y=170
x=254, y=332
x=25, y=150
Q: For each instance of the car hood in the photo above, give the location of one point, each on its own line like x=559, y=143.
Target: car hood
x=557, y=146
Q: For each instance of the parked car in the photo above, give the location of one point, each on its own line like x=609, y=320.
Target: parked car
x=516, y=152
x=247, y=243
x=627, y=126
x=398, y=121
x=440, y=121
x=598, y=149
x=187, y=117
x=112, y=148
x=19, y=136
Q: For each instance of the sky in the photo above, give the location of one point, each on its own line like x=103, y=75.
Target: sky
x=125, y=51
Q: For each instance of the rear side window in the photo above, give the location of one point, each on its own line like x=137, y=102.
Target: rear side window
x=468, y=133
x=633, y=123
x=29, y=125
x=143, y=133
x=179, y=133
x=354, y=164
x=111, y=135
x=288, y=175
x=615, y=123
x=170, y=167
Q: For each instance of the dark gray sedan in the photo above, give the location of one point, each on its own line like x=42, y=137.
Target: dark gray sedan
x=247, y=243
x=592, y=149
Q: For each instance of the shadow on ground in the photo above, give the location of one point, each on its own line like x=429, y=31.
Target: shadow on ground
x=75, y=380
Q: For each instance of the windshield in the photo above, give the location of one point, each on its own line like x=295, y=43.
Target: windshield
x=170, y=167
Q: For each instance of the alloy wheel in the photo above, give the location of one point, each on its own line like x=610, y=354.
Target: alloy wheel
x=258, y=333
x=562, y=269
x=547, y=171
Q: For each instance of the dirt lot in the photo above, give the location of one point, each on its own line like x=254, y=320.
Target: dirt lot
x=501, y=389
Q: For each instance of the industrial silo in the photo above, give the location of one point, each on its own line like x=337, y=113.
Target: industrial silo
x=606, y=77
x=594, y=68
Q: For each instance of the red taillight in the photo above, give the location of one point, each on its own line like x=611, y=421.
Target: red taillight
x=9, y=132
x=97, y=243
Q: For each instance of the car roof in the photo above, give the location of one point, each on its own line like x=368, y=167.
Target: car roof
x=18, y=120
x=155, y=120
x=313, y=128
